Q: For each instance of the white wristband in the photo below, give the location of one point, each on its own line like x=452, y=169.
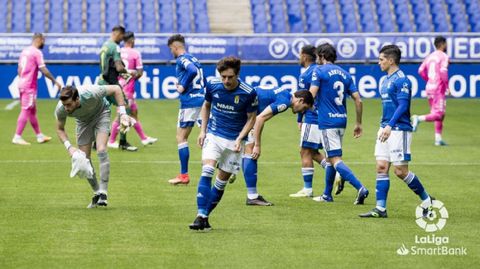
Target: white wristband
x=67, y=144
x=122, y=110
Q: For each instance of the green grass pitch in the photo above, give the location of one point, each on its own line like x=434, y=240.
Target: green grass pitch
x=44, y=222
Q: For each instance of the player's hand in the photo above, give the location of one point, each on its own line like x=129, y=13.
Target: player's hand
x=299, y=124
x=58, y=85
x=385, y=133
x=201, y=138
x=448, y=92
x=180, y=88
x=126, y=122
x=256, y=152
x=357, y=131
x=238, y=145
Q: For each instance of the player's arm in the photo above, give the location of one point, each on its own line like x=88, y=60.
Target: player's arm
x=204, y=114
x=357, y=131
x=191, y=72
x=422, y=71
x=403, y=90
x=116, y=91
x=62, y=135
x=266, y=114
x=246, y=128
x=49, y=75
x=444, y=73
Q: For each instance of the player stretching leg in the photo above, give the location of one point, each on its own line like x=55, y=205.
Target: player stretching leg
x=395, y=134
x=434, y=70
x=191, y=87
x=132, y=59
x=330, y=84
x=229, y=112
x=30, y=61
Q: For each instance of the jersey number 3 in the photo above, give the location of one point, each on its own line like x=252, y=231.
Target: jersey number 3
x=339, y=87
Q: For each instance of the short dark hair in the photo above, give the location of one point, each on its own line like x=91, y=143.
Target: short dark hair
x=118, y=28
x=439, y=40
x=306, y=96
x=128, y=35
x=392, y=51
x=229, y=62
x=37, y=35
x=309, y=50
x=68, y=92
x=176, y=38
x=327, y=51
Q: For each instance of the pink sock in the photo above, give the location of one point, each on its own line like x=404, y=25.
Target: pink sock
x=34, y=120
x=114, y=132
x=434, y=117
x=438, y=126
x=22, y=121
x=139, y=129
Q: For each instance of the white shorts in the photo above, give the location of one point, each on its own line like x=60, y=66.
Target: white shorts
x=396, y=149
x=310, y=136
x=221, y=150
x=332, y=141
x=188, y=116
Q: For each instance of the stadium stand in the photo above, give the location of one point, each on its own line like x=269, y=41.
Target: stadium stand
x=267, y=16
x=351, y=16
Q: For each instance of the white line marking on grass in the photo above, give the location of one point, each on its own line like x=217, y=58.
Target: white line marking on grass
x=12, y=105
x=261, y=162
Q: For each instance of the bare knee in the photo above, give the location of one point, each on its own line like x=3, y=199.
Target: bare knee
x=382, y=167
x=401, y=171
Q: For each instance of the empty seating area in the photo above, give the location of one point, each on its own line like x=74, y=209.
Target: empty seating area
x=357, y=16
x=99, y=16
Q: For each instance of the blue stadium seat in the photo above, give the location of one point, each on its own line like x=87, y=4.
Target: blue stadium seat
x=55, y=18
x=112, y=15
x=167, y=21
x=148, y=17
x=130, y=17
x=184, y=18
x=3, y=17
x=19, y=13
x=37, y=19
x=295, y=21
x=74, y=18
x=94, y=22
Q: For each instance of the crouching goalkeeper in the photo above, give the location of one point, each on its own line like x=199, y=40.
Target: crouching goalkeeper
x=92, y=115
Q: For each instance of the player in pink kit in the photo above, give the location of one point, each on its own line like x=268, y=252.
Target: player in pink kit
x=30, y=61
x=434, y=70
x=132, y=60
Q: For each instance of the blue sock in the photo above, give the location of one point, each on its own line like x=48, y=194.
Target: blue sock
x=249, y=167
x=415, y=185
x=216, y=194
x=329, y=179
x=348, y=175
x=307, y=173
x=383, y=184
x=183, y=155
x=204, y=186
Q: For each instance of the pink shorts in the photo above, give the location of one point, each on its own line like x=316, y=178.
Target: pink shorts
x=28, y=99
x=437, y=103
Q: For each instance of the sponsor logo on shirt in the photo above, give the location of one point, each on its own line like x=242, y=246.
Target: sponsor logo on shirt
x=224, y=106
x=337, y=115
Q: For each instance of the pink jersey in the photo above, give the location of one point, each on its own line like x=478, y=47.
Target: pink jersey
x=31, y=59
x=132, y=59
x=434, y=70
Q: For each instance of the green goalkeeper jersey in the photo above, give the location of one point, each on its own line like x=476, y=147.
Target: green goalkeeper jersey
x=92, y=104
x=109, y=54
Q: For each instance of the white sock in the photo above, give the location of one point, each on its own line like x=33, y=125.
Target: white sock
x=17, y=136
x=307, y=190
x=421, y=118
x=438, y=137
x=381, y=208
x=252, y=196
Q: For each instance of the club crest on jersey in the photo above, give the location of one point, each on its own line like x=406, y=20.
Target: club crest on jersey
x=237, y=99
x=281, y=107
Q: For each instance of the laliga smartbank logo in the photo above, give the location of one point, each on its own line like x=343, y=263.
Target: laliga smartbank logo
x=431, y=244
